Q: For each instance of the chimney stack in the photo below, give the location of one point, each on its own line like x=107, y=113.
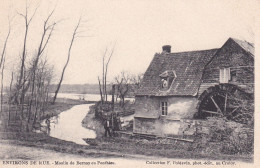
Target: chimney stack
x=166, y=48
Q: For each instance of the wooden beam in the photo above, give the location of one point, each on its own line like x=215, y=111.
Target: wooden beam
x=180, y=139
x=211, y=112
x=215, y=103
x=225, y=107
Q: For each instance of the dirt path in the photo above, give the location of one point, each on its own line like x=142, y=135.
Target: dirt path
x=11, y=151
x=18, y=152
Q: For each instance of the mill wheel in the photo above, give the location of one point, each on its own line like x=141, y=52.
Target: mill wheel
x=227, y=101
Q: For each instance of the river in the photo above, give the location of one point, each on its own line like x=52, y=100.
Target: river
x=67, y=125
x=88, y=97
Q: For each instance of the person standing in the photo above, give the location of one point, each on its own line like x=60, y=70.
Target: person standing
x=107, y=128
x=48, y=125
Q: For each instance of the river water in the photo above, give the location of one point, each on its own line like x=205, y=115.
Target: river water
x=67, y=125
x=88, y=97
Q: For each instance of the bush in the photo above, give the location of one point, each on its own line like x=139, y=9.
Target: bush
x=226, y=137
x=240, y=142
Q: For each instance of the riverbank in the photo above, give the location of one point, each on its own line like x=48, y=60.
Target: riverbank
x=113, y=146
x=157, y=147
x=61, y=104
x=11, y=136
x=90, y=122
x=108, y=148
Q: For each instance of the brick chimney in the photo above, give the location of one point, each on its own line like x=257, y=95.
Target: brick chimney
x=166, y=48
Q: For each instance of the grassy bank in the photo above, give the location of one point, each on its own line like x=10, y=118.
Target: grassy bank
x=92, y=123
x=61, y=105
x=14, y=125
x=43, y=141
x=114, y=147
x=155, y=147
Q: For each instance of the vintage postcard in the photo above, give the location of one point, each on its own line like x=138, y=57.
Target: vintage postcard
x=137, y=83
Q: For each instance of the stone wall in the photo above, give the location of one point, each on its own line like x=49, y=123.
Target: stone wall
x=148, y=118
x=146, y=126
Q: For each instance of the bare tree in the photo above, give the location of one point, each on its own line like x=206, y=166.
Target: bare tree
x=28, y=103
x=42, y=81
x=2, y=81
x=100, y=90
x=2, y=62
x=122, y=86
x=111, y=53
x=9, y=98
x=18, y=96
x=27, y=21
x=103, y=75
x=75, y=32
x=105, y=65
x=47, y=33
x=136, y=80
x=5, y=44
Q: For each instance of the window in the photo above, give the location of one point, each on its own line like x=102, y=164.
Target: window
x=224, y=75
x=164, y=108
x=167, y=78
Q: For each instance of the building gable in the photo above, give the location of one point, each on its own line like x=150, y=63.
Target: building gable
x=232, y=54
x=234, y=59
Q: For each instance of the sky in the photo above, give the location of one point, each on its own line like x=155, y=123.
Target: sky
x=137, y=28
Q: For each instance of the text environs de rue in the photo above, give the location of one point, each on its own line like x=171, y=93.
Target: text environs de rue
x=191, y=163
x=58, y=163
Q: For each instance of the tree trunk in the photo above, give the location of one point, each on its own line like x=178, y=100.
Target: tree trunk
x=9, y=99
x=123, y=101
x=2, y=87
x=68, y=59
x=106, y=72
x=101, y=97
x=103, y=77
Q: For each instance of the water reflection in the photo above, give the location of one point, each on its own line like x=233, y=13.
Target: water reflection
x=67, y=125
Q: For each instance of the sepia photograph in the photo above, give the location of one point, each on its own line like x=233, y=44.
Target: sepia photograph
x=116, y=83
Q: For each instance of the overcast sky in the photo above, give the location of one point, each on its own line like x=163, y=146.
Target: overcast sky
x=138, y=27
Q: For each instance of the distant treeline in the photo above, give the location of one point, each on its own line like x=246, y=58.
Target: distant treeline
x=79, y=88
x=88, y=89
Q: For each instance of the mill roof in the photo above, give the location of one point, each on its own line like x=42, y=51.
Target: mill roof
x=247, y=46
x=188, y=67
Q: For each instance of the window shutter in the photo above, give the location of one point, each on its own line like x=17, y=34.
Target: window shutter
x=166, y=108
x=160, y=107
x=225, y=76
x=228, y=74
x=221, y=75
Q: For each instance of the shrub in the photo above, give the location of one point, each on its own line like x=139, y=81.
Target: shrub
x=240, y=142
x=227, y=137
